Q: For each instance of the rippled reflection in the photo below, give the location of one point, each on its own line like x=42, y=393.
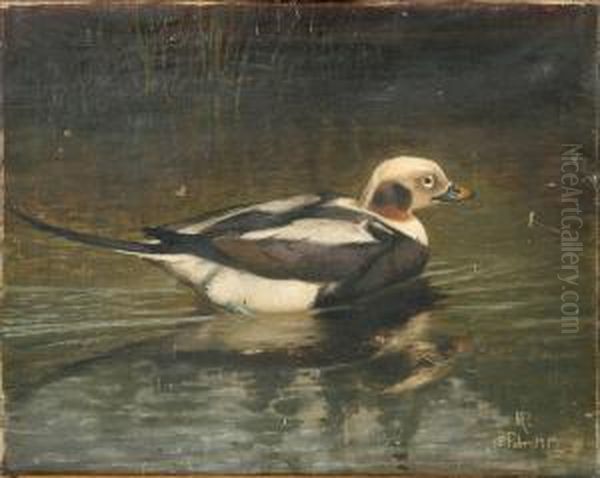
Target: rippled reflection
x=288, y=388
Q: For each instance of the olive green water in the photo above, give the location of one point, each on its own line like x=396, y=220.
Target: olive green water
x=117, y=119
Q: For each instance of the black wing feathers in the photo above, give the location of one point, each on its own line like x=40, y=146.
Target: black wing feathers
x=356, y=266
x=406, y=258
x=302, y=260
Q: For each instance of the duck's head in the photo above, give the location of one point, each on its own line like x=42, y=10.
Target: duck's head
x=401, y=185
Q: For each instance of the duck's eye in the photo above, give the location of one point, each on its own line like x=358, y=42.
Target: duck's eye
x=428, y=181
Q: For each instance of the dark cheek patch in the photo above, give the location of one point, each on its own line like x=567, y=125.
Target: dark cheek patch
x=392, y=195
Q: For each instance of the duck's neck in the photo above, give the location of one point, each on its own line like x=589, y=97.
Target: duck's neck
x=404, y=221
x=412, y=227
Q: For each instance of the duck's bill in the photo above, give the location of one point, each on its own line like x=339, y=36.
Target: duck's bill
x=455, y=193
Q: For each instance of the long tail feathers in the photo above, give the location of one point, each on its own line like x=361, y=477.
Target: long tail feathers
x=118, y=245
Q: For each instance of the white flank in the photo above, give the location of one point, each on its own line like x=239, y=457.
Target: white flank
x=239, y=290
x=247, y=292
x=191, y=269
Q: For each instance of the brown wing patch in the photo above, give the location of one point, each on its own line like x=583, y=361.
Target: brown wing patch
x=301, y=260
x=250, y=253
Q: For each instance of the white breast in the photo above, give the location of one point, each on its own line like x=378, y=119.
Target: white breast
x=412, y=228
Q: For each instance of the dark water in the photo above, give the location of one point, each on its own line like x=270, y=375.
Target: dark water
x=120, y=118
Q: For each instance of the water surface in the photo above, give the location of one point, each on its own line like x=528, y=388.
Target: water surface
x=121, y=118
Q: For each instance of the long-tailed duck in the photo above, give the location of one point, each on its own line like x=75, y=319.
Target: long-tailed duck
x=302, y=252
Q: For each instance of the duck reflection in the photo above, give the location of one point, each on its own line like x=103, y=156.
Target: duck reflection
x=394, y=323
x=334, y=374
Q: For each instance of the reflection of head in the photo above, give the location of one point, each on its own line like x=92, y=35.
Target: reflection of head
x=426, y=359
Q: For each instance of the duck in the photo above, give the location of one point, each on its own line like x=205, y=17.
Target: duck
x=299, y=253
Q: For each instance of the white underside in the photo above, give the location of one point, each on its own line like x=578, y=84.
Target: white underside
x=238, y=290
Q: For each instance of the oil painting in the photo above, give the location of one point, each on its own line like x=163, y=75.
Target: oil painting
x=300, y=238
